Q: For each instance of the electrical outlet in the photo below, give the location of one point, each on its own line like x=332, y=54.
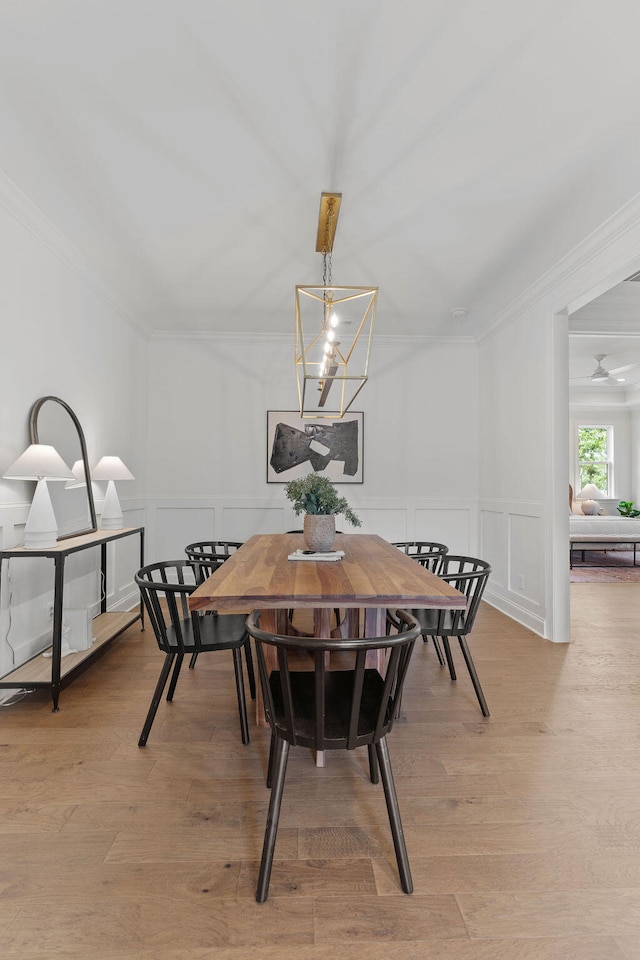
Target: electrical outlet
x=521, y=582
x=50, y=611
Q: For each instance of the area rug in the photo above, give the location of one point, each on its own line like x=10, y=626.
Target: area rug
x=609, y=567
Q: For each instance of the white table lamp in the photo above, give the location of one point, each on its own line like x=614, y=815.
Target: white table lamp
x=80, y=479
x=111, y=469
x=40, y=462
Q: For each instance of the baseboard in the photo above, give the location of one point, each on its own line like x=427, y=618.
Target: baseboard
x=516, y=612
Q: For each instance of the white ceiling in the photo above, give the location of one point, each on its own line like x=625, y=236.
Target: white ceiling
x=608, y=326
x=182, y=146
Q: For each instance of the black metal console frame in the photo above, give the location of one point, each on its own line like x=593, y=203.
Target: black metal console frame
x=18, y=677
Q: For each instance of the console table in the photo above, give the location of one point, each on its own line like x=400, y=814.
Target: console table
x=56, y=672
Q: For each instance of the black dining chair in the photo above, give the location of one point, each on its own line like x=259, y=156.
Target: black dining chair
x=469, y=576
x=430, y=554
x=209, y=555
x=427, y=552
x=165, y=589
x=332, y=709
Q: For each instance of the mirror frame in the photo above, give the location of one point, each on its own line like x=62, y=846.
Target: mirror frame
x=33, y=430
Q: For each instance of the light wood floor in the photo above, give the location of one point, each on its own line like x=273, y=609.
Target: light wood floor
x=523, y=830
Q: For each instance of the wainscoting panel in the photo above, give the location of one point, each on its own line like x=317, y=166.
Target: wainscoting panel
x=524, y=556
x=173, y=523
x=450, y=526
x=385, y=521
x=175, y=527
x=240, y=523
x=493, y=537
x=516, y=587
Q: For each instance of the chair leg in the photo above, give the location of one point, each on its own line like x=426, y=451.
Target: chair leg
x=174, y=677
x=272, y=744
x=250, y=671
x=374, y=776
x=425, y=639
x=474, y=676
x=438, y=651
x=192, y=662
x=393, y=810
x=156, y=698
x=242, y=703
x=447, y=653
x=281, y=754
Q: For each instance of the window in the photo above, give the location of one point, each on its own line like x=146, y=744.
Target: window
x=595, y=458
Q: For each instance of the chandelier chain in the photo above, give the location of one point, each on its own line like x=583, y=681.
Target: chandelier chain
x=326, y=269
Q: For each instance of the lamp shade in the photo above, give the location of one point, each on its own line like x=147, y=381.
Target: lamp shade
x=37, y=462
x=111, y=468
x=590, y=492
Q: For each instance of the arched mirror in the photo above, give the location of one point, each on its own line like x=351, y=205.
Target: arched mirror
x=52, y=421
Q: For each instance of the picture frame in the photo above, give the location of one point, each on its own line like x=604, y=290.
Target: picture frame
x=296, y=446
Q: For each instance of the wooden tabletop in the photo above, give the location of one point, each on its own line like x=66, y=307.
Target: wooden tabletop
x=372, y=573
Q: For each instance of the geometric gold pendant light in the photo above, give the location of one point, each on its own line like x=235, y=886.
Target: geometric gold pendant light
x=334, y=326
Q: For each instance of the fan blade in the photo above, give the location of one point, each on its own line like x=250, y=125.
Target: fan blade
x=624, y=369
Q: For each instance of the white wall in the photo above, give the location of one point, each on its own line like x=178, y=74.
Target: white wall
x=61, y=336
x=208, y=449
x=524, y=427
x=513, y=465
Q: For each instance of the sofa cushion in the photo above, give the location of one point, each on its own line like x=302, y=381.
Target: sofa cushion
x=607, y=526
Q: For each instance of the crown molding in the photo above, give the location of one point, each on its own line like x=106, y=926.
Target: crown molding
x=594, y=328
x=29, y=216
x=594, y=246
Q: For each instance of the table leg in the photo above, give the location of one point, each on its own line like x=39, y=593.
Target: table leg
x=322, y=628
x=375, y=624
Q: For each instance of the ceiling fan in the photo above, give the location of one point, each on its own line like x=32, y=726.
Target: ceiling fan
x=601, y=375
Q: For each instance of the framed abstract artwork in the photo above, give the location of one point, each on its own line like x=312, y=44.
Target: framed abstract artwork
x=333, y=448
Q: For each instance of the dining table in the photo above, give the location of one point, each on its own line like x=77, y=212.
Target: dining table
x=371, y=577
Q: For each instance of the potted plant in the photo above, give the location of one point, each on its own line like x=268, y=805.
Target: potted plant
x=626, y=509
x=317, y=498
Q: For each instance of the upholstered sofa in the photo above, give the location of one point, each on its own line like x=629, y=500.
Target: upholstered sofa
x=615, y=526
x=609, y=533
